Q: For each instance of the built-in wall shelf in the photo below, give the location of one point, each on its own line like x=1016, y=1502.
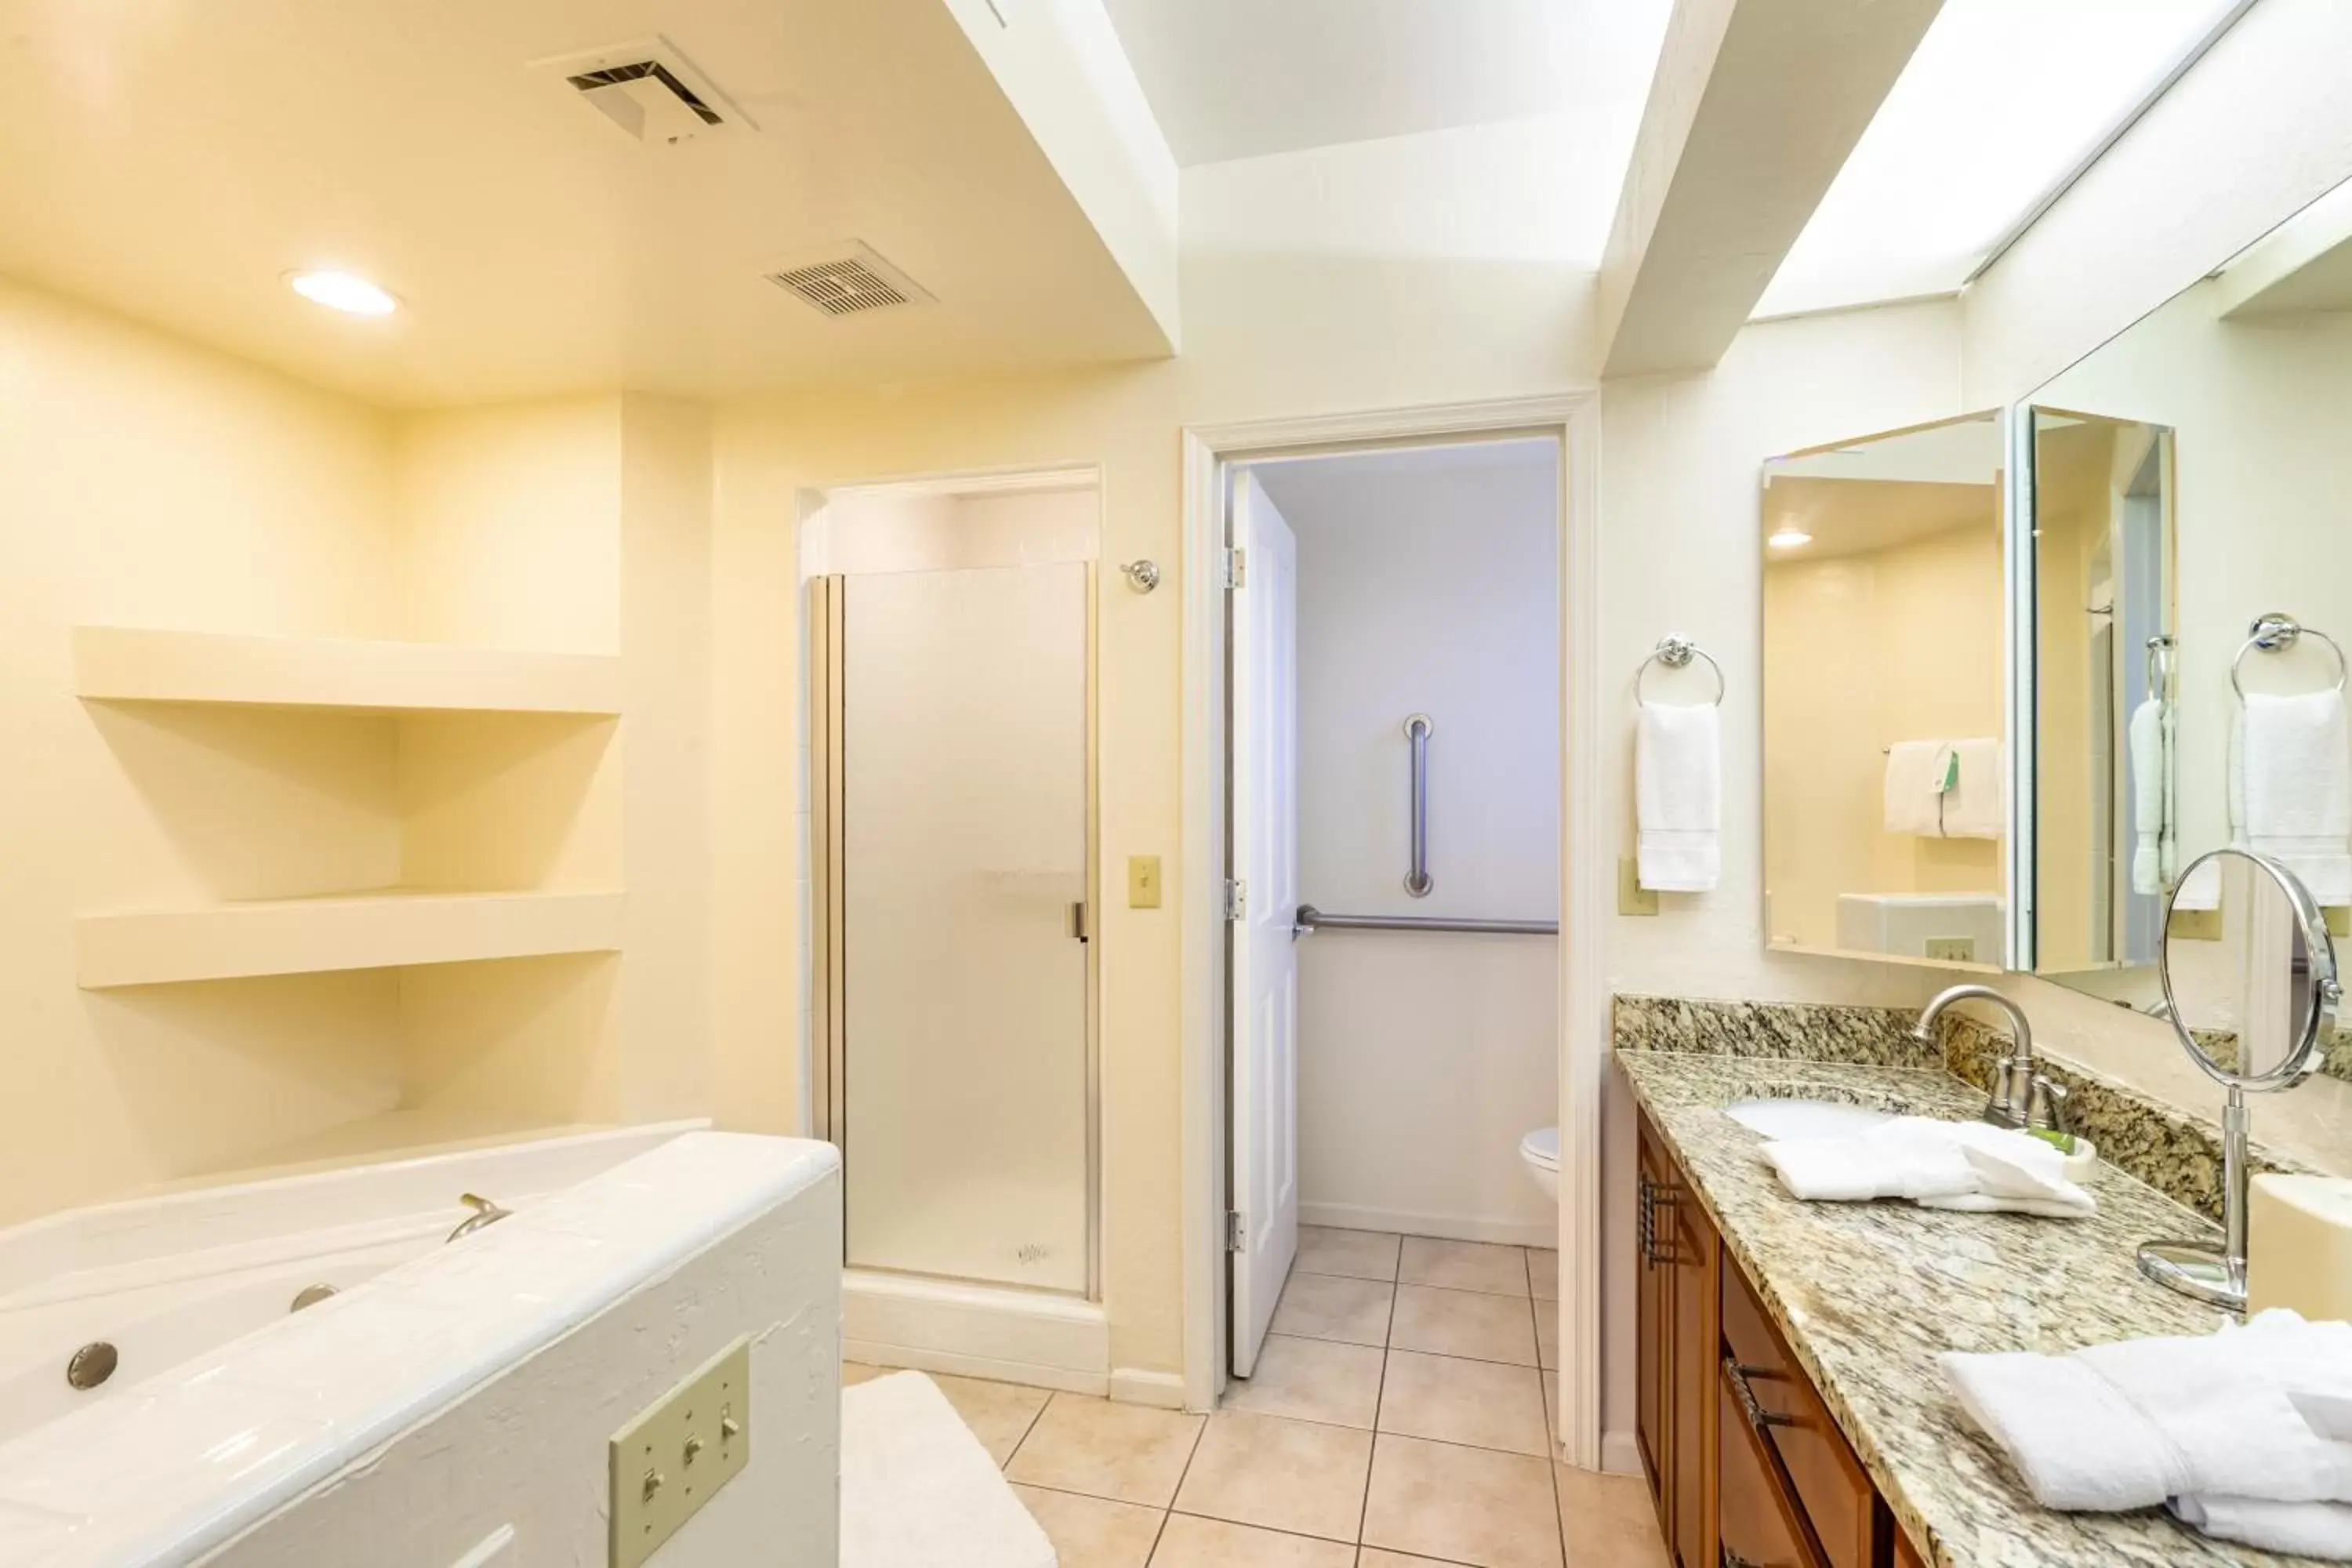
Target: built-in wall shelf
x=133, y=664
x=369, y=930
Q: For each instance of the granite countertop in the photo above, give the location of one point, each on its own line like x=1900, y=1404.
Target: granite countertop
x=1866, y=1294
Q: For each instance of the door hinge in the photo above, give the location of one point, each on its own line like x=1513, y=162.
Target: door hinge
x=1236, y=1233
x=1236, y=568
x=1237, y=899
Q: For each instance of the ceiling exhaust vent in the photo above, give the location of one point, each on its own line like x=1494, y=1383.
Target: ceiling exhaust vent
x=648, y=90
x=847, y=280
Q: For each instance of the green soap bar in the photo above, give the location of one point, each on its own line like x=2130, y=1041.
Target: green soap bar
x=2062, y=1142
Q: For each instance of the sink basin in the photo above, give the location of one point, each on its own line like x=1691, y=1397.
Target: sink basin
x=1777, y=1119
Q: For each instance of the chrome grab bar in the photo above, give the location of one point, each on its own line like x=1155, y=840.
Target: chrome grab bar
x=1310, y=918
x=1417, y=880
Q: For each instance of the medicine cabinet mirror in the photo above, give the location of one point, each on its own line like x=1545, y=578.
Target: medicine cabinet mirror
x=1887, y=776
x=2192, y=597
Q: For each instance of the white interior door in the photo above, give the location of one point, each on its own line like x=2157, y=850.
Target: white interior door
x=1264, y=1074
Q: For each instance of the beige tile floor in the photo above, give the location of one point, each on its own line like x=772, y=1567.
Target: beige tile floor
x=1398, y=1418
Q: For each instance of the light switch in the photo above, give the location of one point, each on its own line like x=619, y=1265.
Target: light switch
x=666, y=1463
x=1633, y=899
x=1143, y=881
x=1952, y=949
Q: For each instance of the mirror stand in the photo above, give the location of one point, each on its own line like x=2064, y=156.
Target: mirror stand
x=2213, y=1274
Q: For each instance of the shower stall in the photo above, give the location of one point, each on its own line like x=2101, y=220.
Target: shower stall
x=951, y=1051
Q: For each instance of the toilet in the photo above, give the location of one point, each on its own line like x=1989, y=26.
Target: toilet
x=1540, y=1150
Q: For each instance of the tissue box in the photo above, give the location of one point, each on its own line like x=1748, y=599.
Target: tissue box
x=2299, y=1246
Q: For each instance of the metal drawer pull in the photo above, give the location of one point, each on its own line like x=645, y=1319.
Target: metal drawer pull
x=1758, y=1416
x=1656, y=1249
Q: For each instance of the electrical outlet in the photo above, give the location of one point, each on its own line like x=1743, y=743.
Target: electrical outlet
x=669, y=1460
x=1952, y=949
x=1633, y=899
x=1143, y=881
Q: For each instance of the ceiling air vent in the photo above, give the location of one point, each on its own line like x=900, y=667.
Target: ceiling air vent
x=648, y=90
x=847, y=280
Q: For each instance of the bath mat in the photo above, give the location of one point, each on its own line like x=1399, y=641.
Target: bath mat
x=919, y=1491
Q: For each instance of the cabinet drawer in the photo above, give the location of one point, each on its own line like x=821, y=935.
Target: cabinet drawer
x=1759, y=1524
x=1832, y=1486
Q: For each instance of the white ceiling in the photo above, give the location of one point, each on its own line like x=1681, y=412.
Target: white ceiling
x=1241, y=78
x=170, y=161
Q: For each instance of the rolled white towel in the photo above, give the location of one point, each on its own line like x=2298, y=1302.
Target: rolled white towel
x=1967, y=1166
x=2321, y=1529
x=2131, y=1424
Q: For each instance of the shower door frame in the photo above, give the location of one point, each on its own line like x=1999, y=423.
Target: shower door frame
x=827, y=1044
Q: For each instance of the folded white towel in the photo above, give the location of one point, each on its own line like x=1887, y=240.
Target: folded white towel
x=1678, y=797
x=2296, y=762
x=2149, y=737
x=1967, y=1166
x=2302, y=1528
x=1915, y=802
x=2128, y=1425
x=1977, y=806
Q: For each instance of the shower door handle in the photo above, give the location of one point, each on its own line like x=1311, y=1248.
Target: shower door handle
x=1078, y=921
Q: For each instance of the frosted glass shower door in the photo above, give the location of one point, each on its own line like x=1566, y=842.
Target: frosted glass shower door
x=965, y=1091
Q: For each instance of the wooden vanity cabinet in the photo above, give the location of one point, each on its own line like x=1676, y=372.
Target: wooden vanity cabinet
x=1745, y=1462
x=1679, y=1295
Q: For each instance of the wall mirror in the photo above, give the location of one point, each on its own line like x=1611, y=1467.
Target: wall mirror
x=1885, y=772
x=2192, y=599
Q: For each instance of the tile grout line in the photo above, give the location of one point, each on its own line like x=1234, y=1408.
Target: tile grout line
x=1380, y=1393
x=1551, y=1439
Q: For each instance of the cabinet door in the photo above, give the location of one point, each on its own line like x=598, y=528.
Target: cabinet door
x=1651, y=1316
x=1696, y=1352
x=1759, y=1521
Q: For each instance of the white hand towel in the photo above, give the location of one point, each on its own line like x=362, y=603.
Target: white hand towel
x=2321, y=1529
x=1678, y=797
x=2297, y=769
x=1914, y=805
x=1967, y=1166
x=2128, y=1425
x=1978, y=808
x=2150, y=774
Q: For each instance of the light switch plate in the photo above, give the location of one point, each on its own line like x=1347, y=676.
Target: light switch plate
x=1633, y=899
x=1952, y=949
x=1143, y=881
x=2195, y=925
x=2339, y=919
x=671, y=1459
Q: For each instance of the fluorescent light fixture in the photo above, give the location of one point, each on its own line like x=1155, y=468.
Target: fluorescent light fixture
x=2000, y=108
x=343, y=291
x=1789, y=538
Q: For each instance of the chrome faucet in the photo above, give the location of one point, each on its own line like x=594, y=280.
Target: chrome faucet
x=485, y=1213
x=2020, y=1097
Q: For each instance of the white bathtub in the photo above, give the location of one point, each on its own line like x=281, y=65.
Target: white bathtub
x=166, y=1280
x=239, y=1435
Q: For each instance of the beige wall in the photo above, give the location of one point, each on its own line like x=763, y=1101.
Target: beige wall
x=1862, y=650
x=156, y=485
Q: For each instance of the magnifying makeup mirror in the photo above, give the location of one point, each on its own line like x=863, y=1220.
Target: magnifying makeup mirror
x=2249, y=1008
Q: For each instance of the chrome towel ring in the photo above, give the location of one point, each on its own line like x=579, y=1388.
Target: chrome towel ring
x=2276, y=631
x=1674, y=651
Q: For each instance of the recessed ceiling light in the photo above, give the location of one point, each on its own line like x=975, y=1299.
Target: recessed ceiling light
x=343, y=291
x=1789, y=539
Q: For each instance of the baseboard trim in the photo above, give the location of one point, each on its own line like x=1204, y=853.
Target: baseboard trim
x=1542, y=1233
x=1133, y=1385
x=1620, y=1454
x=972, y=1330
